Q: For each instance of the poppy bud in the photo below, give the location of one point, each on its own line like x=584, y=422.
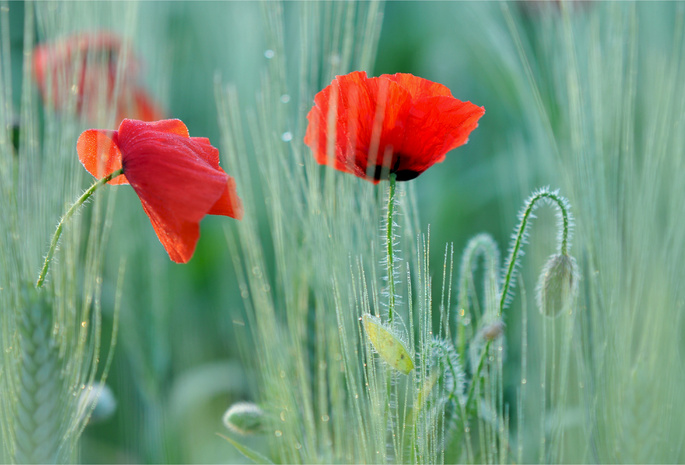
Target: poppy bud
x=390, y=348
x=98, y=400
x=244, y=418
x=493, y=330
x=557, y=285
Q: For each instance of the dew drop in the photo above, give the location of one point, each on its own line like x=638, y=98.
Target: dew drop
x=269, y=54
x=278, y=433
x=283, y=415
x=285, y=98
x=287, y=136
x=524, y=381
x=325, y=418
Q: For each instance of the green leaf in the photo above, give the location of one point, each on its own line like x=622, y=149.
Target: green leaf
x=253, y=455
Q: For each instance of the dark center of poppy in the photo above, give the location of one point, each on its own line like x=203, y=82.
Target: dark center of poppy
x=381, y=172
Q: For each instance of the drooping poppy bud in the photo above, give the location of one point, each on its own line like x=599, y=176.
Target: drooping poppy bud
x=557, y=285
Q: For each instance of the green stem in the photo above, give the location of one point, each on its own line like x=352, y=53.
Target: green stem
x=67, y=215
x=388, y=243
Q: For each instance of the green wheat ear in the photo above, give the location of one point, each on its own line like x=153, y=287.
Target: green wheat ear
x=39, y=426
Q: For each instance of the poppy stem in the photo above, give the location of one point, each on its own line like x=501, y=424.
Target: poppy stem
x=67, y=215
x=389, y=244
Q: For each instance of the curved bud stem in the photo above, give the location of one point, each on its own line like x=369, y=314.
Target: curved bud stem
x=58, y=232
x=564, y=229
x=564, y=234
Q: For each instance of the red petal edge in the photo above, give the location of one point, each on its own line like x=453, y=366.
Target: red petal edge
x=99, y=154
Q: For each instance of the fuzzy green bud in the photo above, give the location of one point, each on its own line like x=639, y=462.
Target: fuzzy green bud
x=244, y=418
x=558, y=285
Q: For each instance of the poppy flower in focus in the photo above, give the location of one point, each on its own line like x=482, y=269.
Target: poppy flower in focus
x=399, y=124
x=87, y=65
x=177, y=177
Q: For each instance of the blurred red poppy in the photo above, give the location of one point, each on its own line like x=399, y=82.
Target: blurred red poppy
x=399, y=124
x=94, y=58
x=177, y=177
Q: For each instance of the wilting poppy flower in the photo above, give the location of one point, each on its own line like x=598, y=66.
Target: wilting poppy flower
x=399, y=124
x=94, y=57
x=177, y=177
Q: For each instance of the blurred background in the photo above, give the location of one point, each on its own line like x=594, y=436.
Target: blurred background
x=178, y=363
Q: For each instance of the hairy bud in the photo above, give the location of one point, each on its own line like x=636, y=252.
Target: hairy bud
x=557, y=285
x=244, y=418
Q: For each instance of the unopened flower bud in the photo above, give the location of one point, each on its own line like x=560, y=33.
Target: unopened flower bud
x=390, y=348
x=244, y=418
x=557, y=285
x=98, y=401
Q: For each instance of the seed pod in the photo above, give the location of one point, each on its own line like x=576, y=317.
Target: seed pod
x=390, y=348
x=244, y=418
x=557, y=285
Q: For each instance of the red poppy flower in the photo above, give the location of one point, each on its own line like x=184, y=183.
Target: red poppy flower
x=176, y=177
x=399, y=124
x=95, y=57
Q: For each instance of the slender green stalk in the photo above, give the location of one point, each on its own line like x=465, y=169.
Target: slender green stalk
x=58, y=232
x=388, y=243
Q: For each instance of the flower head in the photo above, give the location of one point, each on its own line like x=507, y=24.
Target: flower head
x=87, y=64
x=399, y=124
x=177, y=177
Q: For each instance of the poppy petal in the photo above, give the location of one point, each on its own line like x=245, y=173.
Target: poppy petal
x=435, y=126
x=178, y=237
x=367, y=116
x=207, y=151
x=176, y=186
x=229, y=204
x=167, y=170
x=99, y=154
x=168, y=126
x=418, y=87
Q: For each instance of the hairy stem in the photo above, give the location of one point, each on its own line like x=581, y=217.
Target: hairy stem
x=58, y=232
x=388, y=244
